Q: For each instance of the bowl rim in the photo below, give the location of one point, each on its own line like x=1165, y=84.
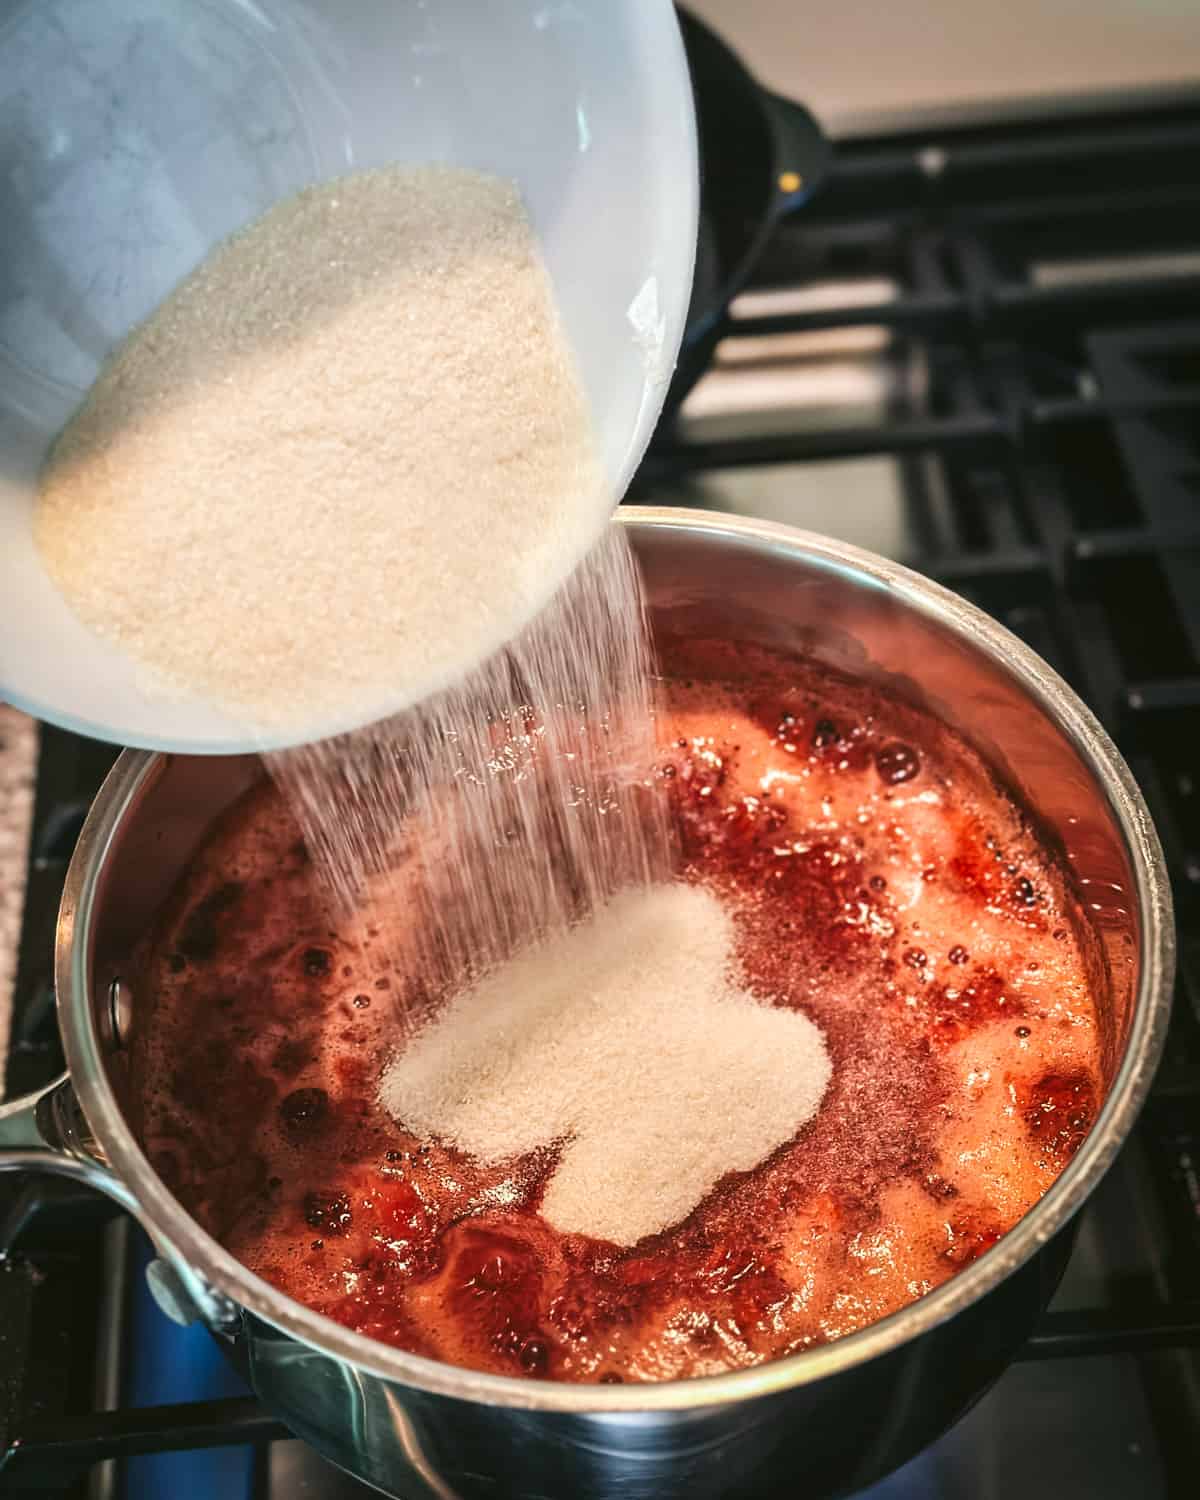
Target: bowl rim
x=183, y=1238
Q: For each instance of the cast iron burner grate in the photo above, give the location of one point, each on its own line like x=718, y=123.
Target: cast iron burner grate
x=1044, y=324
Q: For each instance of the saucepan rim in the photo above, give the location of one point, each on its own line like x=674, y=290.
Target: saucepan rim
x=181, y=1237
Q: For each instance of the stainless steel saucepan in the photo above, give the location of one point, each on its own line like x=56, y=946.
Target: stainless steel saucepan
x=823, y=1422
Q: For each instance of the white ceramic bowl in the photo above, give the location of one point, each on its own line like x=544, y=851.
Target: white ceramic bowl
x=139, y=132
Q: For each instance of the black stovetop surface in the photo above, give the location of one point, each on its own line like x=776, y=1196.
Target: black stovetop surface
x=990, y=342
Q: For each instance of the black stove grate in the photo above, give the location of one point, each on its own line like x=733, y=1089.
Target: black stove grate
x=1048, y=293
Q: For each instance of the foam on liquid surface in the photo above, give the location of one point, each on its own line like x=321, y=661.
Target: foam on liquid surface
x=877, y=883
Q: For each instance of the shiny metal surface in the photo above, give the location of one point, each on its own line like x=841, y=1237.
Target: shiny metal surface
x=46, y=1132
x=834, y=1417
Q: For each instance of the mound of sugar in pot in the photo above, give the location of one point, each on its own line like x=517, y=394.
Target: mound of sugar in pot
x=345, y=460
x=628, y=1043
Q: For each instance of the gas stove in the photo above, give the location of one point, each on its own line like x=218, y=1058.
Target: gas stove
x=977, y=352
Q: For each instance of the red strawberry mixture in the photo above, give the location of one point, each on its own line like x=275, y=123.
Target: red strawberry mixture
x=880, y=882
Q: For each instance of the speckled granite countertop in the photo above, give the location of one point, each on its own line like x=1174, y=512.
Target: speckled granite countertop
x=18, y=759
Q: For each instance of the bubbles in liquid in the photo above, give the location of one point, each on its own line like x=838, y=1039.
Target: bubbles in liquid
x=896, y=763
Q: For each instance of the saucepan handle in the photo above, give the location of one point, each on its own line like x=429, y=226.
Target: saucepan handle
x=47, y=1132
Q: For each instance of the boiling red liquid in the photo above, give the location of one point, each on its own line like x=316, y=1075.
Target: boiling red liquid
x=881, y=883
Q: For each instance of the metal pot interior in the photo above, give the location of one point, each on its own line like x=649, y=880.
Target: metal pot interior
x=711, y=577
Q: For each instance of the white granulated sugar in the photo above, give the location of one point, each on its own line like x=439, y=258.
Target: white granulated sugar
x=628, y=1041
x=346, y=459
